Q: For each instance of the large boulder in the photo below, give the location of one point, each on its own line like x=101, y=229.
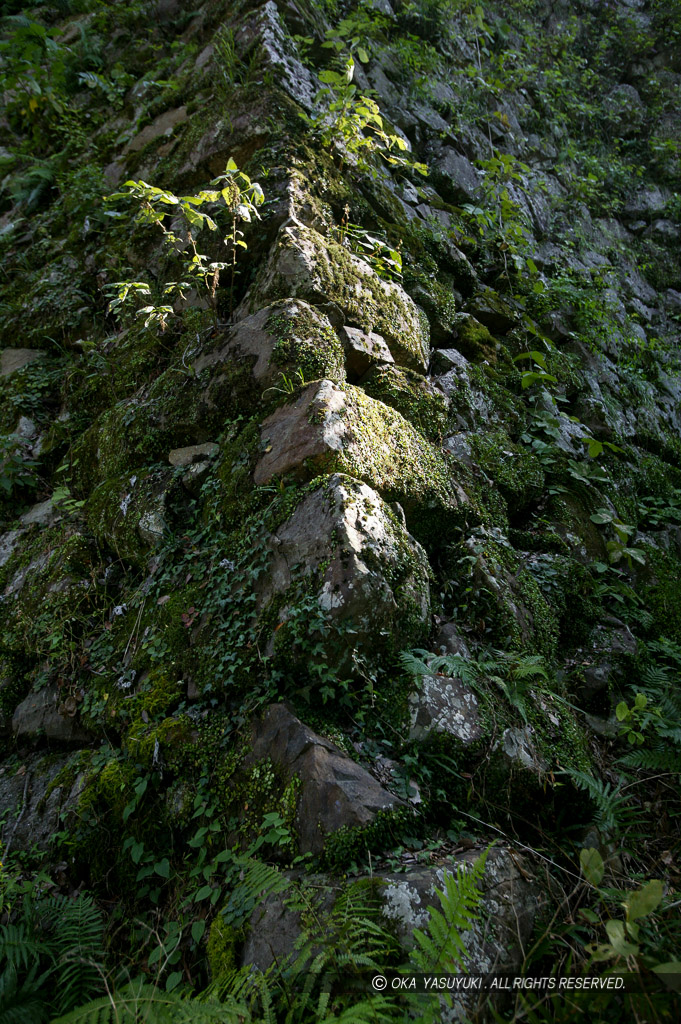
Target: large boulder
x=511, y=900
x=280, y=339
x=334, y=791
x=308, y=266
x=37, y=795
x=365, y=569
x=44, y=715
x=330, y=428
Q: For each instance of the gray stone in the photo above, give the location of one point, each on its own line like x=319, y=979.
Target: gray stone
x=162, y=127
x=519, y=748
x=195, y=476
x=363, y=351
x=648, y=203
x=664, y=231
x=34, y=815
x=366, y=567
x=605, y=660
x=463, y=180
x=26, y=429
x=193, y=453
x=626, y=110
x=329, y=428
x=264, y=28
x=511, y=899
x=8, y=543
x=444, y=705
x=335, y=791
x=279, y=339
x=45, y=513
x=39, y=717
x=311, y=428
x=13, y=359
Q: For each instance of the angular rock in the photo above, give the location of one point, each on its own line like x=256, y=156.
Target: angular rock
x=230, y=377
x=36, y=804
x=447, y=706
x=279, y=339
x=264, y=28
x=180, y=457
x=162, y=127
x=493, y=311
x=39, y=717
x=335, y=792
x=305, y=265
x=518, y=747
x=462, y=179
x=363, y=351
x=367, y=569
x=511, y=899
x=333, y=429
x=13, y=359
x=648, y=203
x=127, y=514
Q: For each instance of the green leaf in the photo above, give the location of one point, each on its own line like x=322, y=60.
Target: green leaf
x=173, y=981
x=198, y=929
x=616, y=934
x=136, y=852
x=621, y=711
x=155, y=956
x=644, y=901
x=363, y=55
x=592, y=866
x=203, y=893
x=162, y=868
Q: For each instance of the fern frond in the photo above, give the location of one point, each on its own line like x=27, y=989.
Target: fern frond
x=18, y=946
x=258, y=882
x=21, y=1001
x=441, y=946
x=658, y=759
x=611, y=807
x=140, y=1001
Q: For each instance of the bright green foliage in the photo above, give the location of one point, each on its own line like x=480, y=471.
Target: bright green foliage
x=232, y=190
x=353, y=123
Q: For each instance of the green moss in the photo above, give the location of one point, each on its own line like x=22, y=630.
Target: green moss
x=390, y=455
x=516, y=471
x=305, y=344
x=222, y=948
x=411, y=395
x=352, y=844
x=474, y=340
x=374, y=304
x=663, y=593
x=127, y=514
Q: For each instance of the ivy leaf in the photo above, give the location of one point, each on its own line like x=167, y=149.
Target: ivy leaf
x=615, y=930
x=592, y=866
x=644, y=900
x=173, y=981
x=162, y=868
x=198, y=929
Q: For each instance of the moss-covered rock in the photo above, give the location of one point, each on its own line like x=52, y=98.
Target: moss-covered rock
x=413, y=396
x=306, y=265
x=128, y=513
x=333, y=429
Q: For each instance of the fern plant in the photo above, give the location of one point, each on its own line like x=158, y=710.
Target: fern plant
x=511, y=673
x=441, y=946
x=49, y=957
x=612, y=810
